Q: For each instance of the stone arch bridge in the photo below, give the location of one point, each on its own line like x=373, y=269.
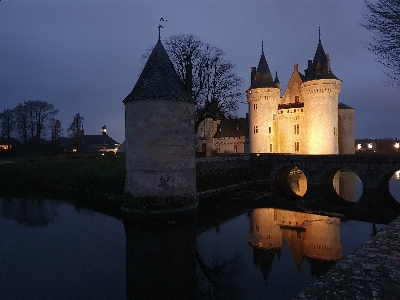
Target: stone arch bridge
x=374, y=170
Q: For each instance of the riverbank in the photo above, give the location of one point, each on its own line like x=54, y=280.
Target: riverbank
x=371, y=272
x=97, y=177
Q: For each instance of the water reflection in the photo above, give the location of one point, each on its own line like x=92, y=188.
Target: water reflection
x=248, y=253
x=298, y=182
x=394, y=186
x=307, y=235
x=29, y=212
x=347, y=185
x=160, y=259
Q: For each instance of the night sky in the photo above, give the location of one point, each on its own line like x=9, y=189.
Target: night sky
x=85, y=56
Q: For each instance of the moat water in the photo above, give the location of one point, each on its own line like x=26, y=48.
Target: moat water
x=262, y=247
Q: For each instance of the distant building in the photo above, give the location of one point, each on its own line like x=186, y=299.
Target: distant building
x=387, y=145
x=100, y=142
x=226, y=136
x=92, y=143
x=308, y=118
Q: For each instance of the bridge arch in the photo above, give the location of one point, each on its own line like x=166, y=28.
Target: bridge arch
x=332, y=190
x=385, y=195
x=290, y=181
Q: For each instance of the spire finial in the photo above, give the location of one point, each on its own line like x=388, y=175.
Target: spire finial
x=319, y=34
x=262, y=46
x=159, y=27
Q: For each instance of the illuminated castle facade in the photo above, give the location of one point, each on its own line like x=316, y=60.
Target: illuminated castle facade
x=308, y=119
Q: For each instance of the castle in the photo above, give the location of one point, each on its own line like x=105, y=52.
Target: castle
x=307, y=119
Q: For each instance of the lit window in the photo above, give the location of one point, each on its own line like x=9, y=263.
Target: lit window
x=397, y=145
x=358, y=146
x=369, y=145
x=296, y=129
x=296, y=146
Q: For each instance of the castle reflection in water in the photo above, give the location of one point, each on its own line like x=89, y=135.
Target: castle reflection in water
x=307, y=235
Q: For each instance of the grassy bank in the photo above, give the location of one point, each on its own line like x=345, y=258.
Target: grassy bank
x=96, y=177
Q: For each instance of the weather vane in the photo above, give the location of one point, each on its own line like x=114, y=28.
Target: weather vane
x=159, y=27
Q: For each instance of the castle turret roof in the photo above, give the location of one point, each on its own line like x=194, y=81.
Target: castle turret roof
x=262, y=77
x=319, y=67
x=158, y=79
x=343, y=106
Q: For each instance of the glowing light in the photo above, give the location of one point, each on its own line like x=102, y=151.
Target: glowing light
x=369, y=145
x=74, y=150
x=358, y=146
x=397, y=145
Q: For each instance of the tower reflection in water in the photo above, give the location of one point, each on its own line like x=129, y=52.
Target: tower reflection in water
x=312, y=236
x=160, y=259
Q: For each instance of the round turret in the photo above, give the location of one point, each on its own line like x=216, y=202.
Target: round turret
x=263, y=97
x=321, y=115
x=263, y=104
x=159, y=135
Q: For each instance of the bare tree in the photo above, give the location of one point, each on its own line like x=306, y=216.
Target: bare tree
x=40, y=114
x=75, y=130
x=21, y=119
x=56, y=129
x=382, y=18
x=7, y=122
x=208, y=76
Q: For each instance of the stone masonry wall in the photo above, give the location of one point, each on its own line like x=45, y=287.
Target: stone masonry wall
x=346, y=131
x=160, y=147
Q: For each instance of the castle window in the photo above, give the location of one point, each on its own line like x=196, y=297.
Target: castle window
x=269, y=129
x=296, y=99
x=219, y=149
x=255, y=106
x=296, y=129
x=235, y=148
x=255, y=129
x=296, y=146
x=334, y=130
x=270, y=148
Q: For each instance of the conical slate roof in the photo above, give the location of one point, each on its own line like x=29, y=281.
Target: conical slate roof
x=262, y=76
x=319, y=68
x=158, y=79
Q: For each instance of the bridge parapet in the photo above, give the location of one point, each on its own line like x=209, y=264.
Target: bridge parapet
x=372, y=169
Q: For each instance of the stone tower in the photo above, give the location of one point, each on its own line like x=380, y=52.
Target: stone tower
x=263, y=97
x=160, y=141
x=320, y=91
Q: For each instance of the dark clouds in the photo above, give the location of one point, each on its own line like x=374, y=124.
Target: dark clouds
x=85, y=56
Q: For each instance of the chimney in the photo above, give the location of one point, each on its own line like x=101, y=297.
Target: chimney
x=328, y=64
x=253, y=74
x=189, y=78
